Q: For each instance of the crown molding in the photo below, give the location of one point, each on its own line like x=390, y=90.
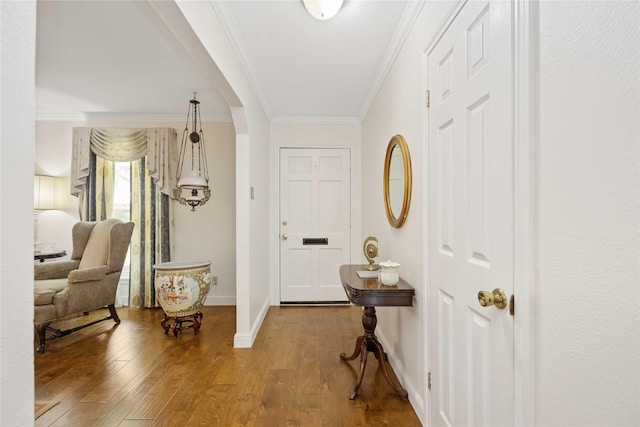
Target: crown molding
x=230, y=27
x=162, y=118
x=409, y=16
x=307, y=120
x=128, y=117
x=61, y=117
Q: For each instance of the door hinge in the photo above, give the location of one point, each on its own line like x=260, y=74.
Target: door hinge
x=429, y=381
x=427, y=96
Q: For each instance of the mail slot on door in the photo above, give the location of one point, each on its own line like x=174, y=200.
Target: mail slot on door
x=315, y=241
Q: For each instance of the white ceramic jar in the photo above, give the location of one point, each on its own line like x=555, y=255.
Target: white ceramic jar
x=389, y=273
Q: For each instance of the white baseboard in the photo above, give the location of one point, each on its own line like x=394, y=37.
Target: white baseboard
x=246, y=340
x=242, y=341
x=417, y=402
x=220, y=300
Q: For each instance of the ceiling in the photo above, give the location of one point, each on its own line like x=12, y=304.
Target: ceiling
x=116, y=59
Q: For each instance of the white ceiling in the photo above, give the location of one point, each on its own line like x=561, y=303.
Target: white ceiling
x=116, y=59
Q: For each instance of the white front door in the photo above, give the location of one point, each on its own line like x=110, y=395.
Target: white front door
x=471, y=217
x=315, y=221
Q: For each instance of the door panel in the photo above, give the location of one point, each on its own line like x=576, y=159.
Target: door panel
x=471, y=217
x=315, y=202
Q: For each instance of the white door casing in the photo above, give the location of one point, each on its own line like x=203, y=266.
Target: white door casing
x=315, y=203
x=471, y=217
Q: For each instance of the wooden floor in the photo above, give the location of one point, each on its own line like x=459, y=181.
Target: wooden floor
x=135, y=375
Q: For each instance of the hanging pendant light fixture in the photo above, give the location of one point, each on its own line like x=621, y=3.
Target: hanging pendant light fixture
x=193, y=186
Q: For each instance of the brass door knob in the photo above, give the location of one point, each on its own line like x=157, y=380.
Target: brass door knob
x=497, y=298
x=284, y=237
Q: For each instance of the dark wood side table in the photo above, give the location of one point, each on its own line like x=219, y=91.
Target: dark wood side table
x=370, y=293
x=48, y=255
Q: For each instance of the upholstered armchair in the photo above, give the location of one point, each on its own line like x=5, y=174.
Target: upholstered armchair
x=86, y=282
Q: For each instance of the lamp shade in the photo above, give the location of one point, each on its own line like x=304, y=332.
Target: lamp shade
x=192, y=179
x=44, y=193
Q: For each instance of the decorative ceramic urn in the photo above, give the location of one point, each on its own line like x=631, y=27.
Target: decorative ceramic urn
x=182, y=286
x=389, y=273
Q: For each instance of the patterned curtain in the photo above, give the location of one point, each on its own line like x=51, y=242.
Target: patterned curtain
x=97, y=205
x=124, y=145
x=150, y=244
x=152, y=156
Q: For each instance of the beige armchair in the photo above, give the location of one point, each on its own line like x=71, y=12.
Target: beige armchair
x=86, y=282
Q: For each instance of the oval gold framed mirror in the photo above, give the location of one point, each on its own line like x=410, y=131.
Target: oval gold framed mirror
x=397, y=181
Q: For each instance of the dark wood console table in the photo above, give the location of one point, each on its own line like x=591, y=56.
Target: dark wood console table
x=370, y=293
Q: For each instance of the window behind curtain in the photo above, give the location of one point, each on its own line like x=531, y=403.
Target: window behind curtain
x=122, y=211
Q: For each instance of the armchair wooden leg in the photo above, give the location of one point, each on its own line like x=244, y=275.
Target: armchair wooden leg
x=114, y=315
x=41, y=330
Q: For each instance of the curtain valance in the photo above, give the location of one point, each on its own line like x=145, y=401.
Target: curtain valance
x=119, y=145
x=125, y=145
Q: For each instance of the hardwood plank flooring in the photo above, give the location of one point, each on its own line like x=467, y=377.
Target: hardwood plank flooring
x=133, y=374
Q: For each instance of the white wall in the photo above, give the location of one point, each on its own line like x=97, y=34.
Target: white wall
x=207, y=233
x=53, y=157
x=260, y=219
x=588, y=220
x=210, y=232
x=589, y=283
x=17, y=116
x=252, y=150
x=399, y=109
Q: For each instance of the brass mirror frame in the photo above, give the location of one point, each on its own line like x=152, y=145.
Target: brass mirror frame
x=399, y=141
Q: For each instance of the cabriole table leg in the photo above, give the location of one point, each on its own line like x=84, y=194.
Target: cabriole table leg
x=369, y=343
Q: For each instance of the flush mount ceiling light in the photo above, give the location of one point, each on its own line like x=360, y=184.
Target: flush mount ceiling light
x=195, y=182
x=323, y=9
